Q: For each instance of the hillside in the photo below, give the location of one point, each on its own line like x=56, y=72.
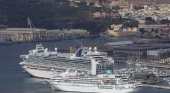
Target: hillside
x=43, y=13
x=54, y=14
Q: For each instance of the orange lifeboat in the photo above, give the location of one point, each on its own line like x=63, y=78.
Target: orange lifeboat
x=106, y=80
x=65, y=79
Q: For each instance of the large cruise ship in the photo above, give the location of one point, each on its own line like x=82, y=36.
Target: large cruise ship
x=42, y=63
x=102, y=83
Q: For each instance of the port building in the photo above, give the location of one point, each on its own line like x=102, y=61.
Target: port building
x=142, y=53
x=26, y=34
x=117, y=30
x=128, y=50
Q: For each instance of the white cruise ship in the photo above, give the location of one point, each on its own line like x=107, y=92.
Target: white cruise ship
x=44, y=64
x=41, y=51
x=102, y=83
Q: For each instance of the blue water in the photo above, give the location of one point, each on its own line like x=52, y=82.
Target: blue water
x=14, y=80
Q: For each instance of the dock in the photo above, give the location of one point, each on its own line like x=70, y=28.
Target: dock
x=157, y=65
x=157, y=86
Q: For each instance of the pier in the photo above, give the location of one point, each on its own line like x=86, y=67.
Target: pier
x=157, y=86
x=157, y=65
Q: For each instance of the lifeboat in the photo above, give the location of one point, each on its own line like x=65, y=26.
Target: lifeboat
x=65, y=79
x=107, y=80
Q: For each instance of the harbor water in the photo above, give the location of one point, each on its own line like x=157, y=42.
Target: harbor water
x=14, y=80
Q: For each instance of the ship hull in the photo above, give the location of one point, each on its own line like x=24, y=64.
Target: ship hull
x=40, y=73
x=89, y=88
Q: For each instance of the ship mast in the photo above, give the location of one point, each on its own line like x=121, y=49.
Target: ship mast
x=32, y=27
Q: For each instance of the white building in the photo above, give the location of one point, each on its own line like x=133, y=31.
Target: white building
x=156, y=52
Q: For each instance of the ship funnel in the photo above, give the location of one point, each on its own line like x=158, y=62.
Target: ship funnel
x=55, y=49
x=111, y=59
x=68, y=70
x=76, y=72
x=95, y=49
x=90, y=49
x=79, y=52
x=46, y=49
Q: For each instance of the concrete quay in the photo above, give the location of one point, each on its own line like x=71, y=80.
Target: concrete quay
x=28, y=34
x=157, y=86
x=155, y=65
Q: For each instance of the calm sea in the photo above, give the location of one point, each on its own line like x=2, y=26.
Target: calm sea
x=14, y=80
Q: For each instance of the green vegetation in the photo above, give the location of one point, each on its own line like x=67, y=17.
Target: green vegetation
x=164, y=21
x=130, y=23
x=116, y=8
x=54, y=14
x=138, y=7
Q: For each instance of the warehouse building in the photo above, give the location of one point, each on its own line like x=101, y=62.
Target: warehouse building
x=27, y=34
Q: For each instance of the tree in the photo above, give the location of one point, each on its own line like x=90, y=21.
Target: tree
x=91, y=4
x=138, y=7
x=156, y=8
x=164, y=21
x=131, y=24
x=116, y=8
x=142, y=31
x=82, y=4
x=100, y=1
x=152, y=29
x=149, y=20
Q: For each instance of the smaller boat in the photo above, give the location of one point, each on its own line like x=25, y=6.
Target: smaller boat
x=102, y=83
